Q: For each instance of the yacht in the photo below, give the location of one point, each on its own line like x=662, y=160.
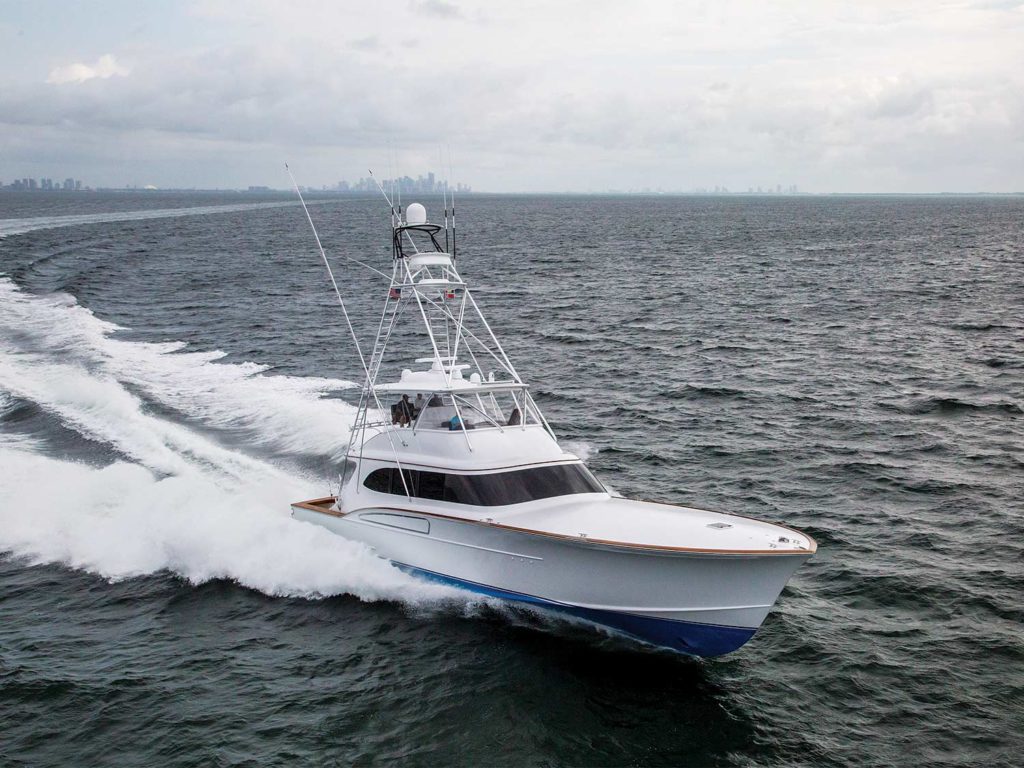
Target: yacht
x=453, y=474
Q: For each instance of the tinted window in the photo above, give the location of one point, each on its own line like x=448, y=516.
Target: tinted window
x=389, y=481
x=430, y=486
x=488, y=490
x=379, y=480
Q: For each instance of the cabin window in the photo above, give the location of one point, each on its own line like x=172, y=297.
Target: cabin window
x=389, y=481
x=491, y=490
x=430, y=485
x=379, y=481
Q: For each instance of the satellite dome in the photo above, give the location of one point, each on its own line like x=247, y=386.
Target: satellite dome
x=415, y=214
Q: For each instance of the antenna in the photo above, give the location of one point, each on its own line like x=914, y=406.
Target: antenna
x=398, y=183
x=330, y=272
x=444, y=198
x=396, y=193
x=451, y=175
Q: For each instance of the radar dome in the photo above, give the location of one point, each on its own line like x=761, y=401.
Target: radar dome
x=415, y=214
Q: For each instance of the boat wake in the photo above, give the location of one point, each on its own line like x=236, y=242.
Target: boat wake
x=163, y=493
x=59, y=354
x=21, y=226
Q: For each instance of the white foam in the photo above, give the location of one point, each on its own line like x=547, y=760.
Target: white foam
x=120, y=521
x=581, y=448
x=52, y=338
x=101, y=409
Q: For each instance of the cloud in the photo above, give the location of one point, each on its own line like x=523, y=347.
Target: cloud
x=730, y=93
x=106, y=66
x=896, y=98
x=437, y=8
x=368, y=43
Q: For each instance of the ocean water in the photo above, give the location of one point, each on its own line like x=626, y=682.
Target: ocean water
x=174, y=371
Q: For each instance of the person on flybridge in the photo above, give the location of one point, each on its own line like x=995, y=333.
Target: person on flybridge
x=402, y=412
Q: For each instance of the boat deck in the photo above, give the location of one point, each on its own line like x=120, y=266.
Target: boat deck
x=620, y=523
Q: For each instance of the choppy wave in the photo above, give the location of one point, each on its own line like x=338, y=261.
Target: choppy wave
x=953, y=406
x=699, y=391
x=9, y=406
x=980, y=326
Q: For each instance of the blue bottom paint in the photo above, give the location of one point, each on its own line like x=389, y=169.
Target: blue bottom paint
x=704, y=640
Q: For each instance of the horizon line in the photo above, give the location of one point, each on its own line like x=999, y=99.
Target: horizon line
x=260, y=189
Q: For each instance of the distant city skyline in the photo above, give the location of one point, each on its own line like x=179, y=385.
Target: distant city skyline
x=45, y=184
x=430, y=183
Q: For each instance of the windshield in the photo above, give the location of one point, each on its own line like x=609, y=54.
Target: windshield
x=476, y=410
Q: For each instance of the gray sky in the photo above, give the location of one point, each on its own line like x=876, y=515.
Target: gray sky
x=530, y=96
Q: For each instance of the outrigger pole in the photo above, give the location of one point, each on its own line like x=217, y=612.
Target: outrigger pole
x=330, y=272
x=348, y=322
x=391, y=205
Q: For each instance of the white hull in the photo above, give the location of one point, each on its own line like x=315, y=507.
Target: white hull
x=703, y=603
